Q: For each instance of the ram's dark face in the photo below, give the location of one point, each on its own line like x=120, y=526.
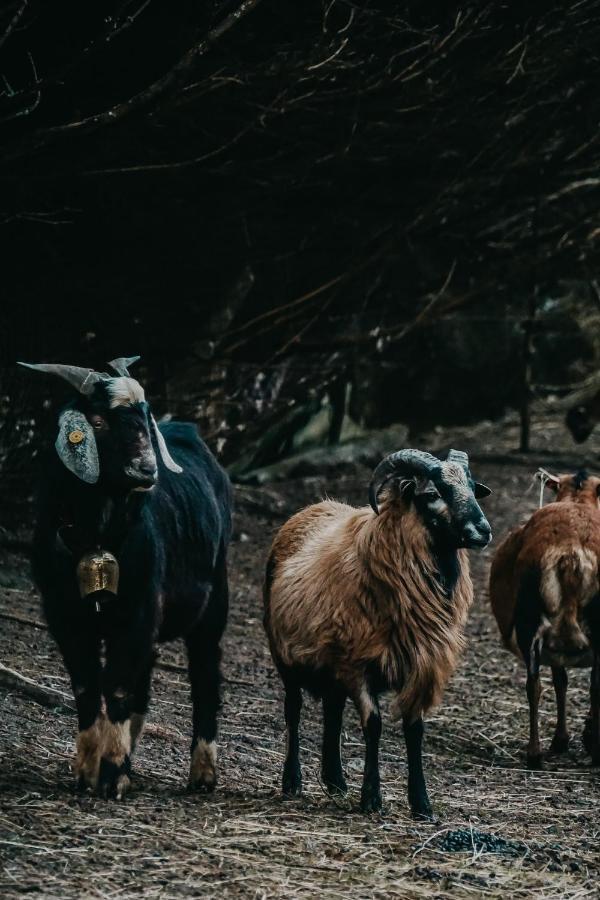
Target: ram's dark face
x=449, y=507
x=120, y=418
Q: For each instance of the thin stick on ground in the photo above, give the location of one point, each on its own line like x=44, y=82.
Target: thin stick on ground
x=11, y=680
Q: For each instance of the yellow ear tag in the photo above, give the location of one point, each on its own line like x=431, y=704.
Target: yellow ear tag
x=76, y=437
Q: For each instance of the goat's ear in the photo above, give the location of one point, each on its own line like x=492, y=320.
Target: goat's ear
x=163, y=449
x=481, y=490
x=76, y=445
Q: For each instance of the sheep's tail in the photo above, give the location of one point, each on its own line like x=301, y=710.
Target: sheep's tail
x=568, y=576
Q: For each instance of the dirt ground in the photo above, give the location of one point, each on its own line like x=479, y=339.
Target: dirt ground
x=499, y=831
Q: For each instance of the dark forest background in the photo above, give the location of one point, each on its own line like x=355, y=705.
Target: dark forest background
x=359, y=213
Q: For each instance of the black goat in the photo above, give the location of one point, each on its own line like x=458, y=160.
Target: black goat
x=130, y=548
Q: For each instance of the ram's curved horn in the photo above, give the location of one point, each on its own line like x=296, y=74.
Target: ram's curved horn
x=121, y=364
x=403, y=462
x=460, y=457
x=83, y=380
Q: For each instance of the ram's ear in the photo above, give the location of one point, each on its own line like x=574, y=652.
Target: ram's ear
x=549, y=481
x=481, y=490
x=76, y=445
x=163, y=449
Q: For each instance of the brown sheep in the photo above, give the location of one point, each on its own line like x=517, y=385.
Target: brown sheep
x=361, y=601
x=544, y=594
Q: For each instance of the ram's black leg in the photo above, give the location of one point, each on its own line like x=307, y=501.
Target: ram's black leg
x=560, y=680
x=292, y=775
x=370, y=717
x=534, y=690
x=417, y=790
x=331, y=770
x=528, y=615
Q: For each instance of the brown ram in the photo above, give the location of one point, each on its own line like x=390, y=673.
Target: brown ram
x=361, y=601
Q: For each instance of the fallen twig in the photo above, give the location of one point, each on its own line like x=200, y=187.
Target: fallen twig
x=10, y=680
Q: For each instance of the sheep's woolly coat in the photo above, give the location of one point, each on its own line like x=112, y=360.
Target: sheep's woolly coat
x=560, y=546
x=349, y=592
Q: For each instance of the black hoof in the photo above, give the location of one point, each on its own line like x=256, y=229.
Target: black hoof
x=201, y=787
x=335, y=784
x=535, y=762
x=560, y=744
x=371, y=802
x=422, y=811
x=113, y=780
x=289, y=791
x=291, y=784
x=82, y=786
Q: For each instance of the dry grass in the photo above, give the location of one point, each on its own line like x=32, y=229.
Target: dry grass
x=245, y=840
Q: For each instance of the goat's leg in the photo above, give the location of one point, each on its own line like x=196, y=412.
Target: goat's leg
x=81, y=654
x=204, y=657
x=140, y=701
x=334, y=701
x=417, y=789
x=204, y=662
x=370, y=717
x=129, y=657
x=594, y=738
x=291, y=784
x=560, y=680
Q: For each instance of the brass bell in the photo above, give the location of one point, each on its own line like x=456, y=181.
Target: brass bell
x=97, y=571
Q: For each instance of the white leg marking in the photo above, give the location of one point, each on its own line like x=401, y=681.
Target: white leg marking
x=88, y=752
x=102, y=740
x=203, y=767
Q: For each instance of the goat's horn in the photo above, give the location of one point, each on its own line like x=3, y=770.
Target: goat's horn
x=121, y=364
x=403, y=462
x=460, y=457
x=81, y=379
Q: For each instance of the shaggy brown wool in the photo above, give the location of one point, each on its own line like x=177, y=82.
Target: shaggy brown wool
x=560, y=542
x=544, y=575
x=348, y=590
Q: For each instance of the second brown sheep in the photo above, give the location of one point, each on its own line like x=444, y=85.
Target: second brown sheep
x=544, y=591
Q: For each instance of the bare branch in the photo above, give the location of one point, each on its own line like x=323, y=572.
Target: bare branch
x=143, y=99
x=14, y=22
